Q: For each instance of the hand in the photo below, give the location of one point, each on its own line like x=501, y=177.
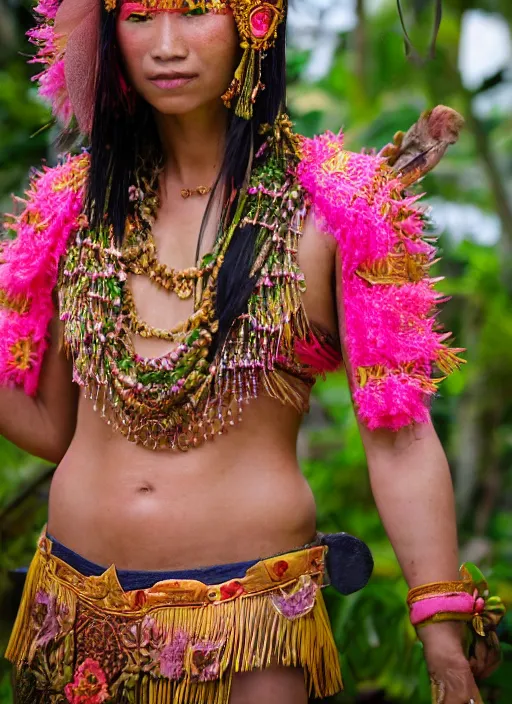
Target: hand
x=486, y=658
x=451, y=673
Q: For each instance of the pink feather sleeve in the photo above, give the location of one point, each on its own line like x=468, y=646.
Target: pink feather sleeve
x=29, y=268
x=392, y=338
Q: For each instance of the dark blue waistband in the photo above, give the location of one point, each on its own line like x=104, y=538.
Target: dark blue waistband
x=135, y=579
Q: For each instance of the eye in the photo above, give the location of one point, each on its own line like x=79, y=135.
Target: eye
x=139, y=17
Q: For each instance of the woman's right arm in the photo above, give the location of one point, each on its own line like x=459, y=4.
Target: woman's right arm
x=44, y=424
x=38, y=399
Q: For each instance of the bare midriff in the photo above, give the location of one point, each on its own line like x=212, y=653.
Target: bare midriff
x=240, y=497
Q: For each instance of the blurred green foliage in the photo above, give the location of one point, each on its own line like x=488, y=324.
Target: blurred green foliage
x=372, y=91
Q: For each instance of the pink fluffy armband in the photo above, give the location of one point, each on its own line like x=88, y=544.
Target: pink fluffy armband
x=467, y=599
x=392, y=335
x=29, y=261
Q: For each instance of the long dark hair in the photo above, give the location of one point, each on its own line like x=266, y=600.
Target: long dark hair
x=121, y=137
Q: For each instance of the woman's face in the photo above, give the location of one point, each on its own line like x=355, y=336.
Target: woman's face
x=177, y=61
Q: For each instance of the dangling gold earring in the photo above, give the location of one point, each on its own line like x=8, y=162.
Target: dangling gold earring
x=257, y=24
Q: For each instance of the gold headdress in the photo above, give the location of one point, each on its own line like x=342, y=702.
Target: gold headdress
x=182, y=5
x=257, y=24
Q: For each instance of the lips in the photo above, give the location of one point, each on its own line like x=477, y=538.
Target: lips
x=171, y=81
x=171, y=76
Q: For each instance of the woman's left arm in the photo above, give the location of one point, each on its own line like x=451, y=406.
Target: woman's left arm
x=412, y=487
x=413, y=490
x=395, y=353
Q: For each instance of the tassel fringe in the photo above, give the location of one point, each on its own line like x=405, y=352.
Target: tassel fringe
x=246, y=85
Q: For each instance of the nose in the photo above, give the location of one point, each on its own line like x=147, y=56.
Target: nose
x=169, y=42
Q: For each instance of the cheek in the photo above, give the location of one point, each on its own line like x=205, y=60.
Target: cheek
x=132, y=49
x=218, y=46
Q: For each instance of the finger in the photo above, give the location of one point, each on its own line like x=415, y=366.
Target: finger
x=481, y=671
x=485, y=661
x=491, y=669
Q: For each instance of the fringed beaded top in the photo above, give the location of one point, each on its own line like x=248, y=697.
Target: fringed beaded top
x=396, y=349
x=187, y=396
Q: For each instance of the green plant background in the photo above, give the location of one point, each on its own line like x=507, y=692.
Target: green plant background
x=372, y=91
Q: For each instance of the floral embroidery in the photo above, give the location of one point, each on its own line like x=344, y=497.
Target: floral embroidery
x=49, y=626
x=100, y=650
x=49, y=618
x=280, y=568
x=89, y=685
x=172, y=657
x=297, y=602
x=204, y=661
x=231, y=590
x=150, y=631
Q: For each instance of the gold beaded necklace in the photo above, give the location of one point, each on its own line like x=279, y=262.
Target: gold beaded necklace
x=142, y=259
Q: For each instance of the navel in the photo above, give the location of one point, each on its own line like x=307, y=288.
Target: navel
x=146, y=489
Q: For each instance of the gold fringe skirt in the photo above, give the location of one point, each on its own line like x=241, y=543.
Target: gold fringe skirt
x=84, y=640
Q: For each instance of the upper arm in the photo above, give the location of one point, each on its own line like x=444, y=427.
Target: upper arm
x=316, y=259
x=381, y=439
x=43, y=424
x=385, y=299
x=31, y=361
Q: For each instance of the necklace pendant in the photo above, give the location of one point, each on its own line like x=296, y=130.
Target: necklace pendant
x=199, y=191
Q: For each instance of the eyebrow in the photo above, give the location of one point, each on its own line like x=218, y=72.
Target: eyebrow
x=128, y=8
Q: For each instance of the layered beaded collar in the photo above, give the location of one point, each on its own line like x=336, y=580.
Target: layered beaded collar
x=183, y=398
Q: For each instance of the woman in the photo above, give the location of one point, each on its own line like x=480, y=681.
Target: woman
x=171, y=260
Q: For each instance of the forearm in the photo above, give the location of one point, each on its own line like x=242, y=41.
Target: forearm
x=413, y=491
x=414, y=494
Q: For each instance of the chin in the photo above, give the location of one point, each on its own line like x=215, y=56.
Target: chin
x=174, y=108
x=175, y=105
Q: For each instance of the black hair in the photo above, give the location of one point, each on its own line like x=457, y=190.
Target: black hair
x=123, y=135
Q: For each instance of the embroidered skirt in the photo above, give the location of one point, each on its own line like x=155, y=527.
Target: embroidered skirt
x=85, y=640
